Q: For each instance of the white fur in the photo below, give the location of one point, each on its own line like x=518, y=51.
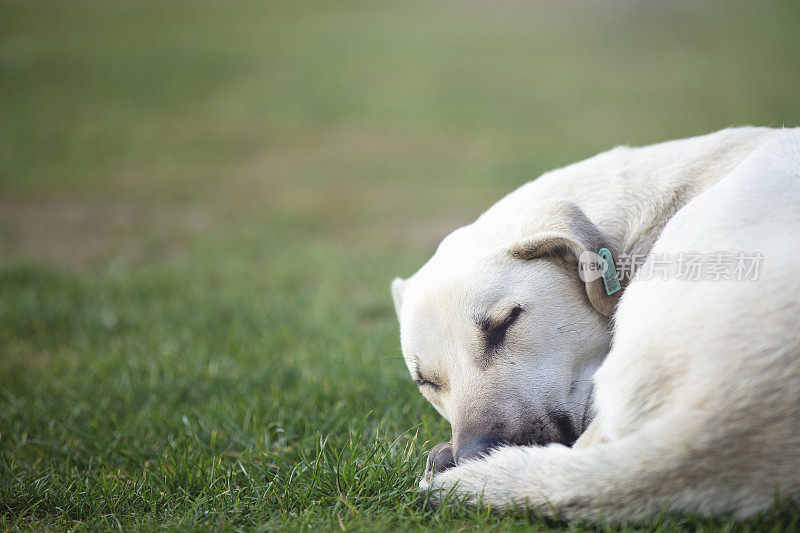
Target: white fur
x=696, y=407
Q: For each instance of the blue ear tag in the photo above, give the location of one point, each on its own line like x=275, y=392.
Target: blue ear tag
x=610, y=278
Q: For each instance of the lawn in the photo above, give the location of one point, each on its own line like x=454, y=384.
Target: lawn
x=202, y=205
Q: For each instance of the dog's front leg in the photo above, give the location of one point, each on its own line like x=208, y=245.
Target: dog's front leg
x=509, y=476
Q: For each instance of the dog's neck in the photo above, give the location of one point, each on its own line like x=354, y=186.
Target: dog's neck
x=630, y=194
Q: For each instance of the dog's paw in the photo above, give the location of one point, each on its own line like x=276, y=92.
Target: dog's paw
x=442, y=479
x=448, y=485
x=492, y=481
x=440, y=458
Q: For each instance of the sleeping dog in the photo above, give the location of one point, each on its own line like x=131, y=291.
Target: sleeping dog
x=621, y=337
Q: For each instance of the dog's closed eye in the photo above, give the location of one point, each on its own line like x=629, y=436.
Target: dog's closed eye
x=494, y=331
x=427, y=383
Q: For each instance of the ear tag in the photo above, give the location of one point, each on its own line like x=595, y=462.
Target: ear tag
x=610, y=278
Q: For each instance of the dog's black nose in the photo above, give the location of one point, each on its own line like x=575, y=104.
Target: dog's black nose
x=475, y=448
x=440, y=458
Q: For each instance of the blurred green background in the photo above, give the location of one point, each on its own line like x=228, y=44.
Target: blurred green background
x=202, y=204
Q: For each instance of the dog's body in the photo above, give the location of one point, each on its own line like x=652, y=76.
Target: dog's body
x=694, y=406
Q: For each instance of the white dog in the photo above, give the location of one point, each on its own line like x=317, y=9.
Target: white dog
x=685, y=392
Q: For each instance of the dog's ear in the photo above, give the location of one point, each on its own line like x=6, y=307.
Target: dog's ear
x=398, y=288
x=572, y=237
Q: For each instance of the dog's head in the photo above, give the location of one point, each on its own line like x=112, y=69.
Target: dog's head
x=502, y=338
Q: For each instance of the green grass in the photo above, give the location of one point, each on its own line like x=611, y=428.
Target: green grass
x=202, y=204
